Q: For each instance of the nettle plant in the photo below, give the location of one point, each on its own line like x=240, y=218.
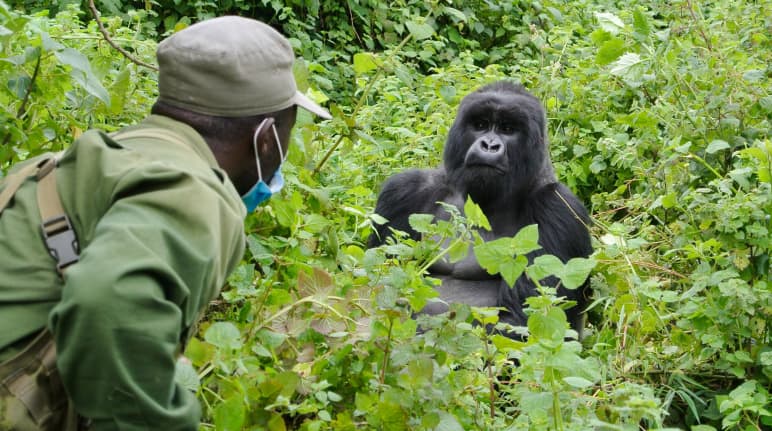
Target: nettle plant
x=59, y=78
x=309, y=348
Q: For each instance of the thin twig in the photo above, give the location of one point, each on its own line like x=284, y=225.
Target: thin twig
x=699, y=25
x=23, y=107
x=109, y=39
x=360, y=102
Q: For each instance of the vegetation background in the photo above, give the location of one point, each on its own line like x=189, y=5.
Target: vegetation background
x=659, y=119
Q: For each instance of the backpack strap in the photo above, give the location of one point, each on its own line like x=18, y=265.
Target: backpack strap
x=15, y=180
x=55, y=225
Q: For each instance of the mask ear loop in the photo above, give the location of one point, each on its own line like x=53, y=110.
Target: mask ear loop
x=254, y=145
x=278, y=142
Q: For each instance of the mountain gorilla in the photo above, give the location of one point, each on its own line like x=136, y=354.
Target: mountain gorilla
x=496, y=153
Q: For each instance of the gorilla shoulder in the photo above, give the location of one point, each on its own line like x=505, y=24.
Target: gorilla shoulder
x=414, y=191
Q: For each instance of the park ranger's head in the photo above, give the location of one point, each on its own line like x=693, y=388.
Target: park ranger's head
x=231, y=79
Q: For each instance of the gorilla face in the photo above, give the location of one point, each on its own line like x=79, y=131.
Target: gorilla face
x=496, y=153
x=496, y=148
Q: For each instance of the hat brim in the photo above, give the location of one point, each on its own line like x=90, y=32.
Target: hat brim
x=309, y=105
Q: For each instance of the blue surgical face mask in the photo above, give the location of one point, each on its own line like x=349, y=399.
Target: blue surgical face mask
x=261, y=191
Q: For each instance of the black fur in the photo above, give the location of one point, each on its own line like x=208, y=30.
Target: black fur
x=497, y=154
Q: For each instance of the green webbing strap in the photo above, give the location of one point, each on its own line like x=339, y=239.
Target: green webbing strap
x=55, y=224
x=57, y=231
x=15, y=180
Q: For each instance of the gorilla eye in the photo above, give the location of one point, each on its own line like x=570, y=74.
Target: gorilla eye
x=508, y=128
x=480, y=124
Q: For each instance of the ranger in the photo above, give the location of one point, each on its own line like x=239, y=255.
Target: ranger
x=112, y=249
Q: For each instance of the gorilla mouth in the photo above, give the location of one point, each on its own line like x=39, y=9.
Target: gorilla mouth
x=486, y=168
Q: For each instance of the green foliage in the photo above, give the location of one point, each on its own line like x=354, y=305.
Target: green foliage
x=59, y=78
x=660, y=118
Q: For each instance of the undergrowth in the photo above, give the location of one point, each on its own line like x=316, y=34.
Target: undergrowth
x=659, y=119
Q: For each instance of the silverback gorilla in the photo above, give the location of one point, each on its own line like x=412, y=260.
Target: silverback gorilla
x=496, y=153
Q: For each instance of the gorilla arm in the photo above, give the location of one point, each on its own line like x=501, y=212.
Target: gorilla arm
x=563, y=232
x=414, y=191
x=418, y=191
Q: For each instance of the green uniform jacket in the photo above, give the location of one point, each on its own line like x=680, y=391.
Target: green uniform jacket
x=160, y=227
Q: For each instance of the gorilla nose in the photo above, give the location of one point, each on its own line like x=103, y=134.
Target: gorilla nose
x=491, y=146
x=487, y=151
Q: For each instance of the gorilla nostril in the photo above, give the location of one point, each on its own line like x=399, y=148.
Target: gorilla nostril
x=491, y=147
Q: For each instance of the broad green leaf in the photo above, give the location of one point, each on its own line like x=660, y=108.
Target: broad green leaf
x=286, y=212
x=276, y=423
x=475, y=215
x=121, y=86
x=19, y=85
x=364, y=62
x=577, y=382
x=230, y=414
x=457, y=14
x=364, y=401
x=224, y=335
x=625, y=64
x=716, y=146
x=448, y=422
x=669, y=200
x=421, y=369
x=448, y=93
x=526, y=240
x=419, y=31
x=4, y=31
x=766, y=104
x=260, y=350
x=548, y=327
x=81, y=73
x=544, y=266
x=492, y=254
x=458, y=251
x=421, y=222
x=198, y=352
x=609, y=22
x=610, y=51
x=754, y=75
x=186, y=376
x=49, y=44
x=511, y=269
x=641, y=22
x=270, y=338
x=576, y=271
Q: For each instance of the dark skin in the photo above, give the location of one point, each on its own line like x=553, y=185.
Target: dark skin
x=239, y=160
x=230, y=140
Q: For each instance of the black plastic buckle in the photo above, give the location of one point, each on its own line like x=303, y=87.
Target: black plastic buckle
x=61, y=241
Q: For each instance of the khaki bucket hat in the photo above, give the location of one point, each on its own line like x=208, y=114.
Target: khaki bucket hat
x=230, y=66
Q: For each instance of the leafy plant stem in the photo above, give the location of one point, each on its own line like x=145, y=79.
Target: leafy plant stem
x=287, y=309
x=698, y=22
x=23, y=107
x=557, y=414
x=491, y=381
x=360, y=102
x=434, y=260
x=112, y=43
x=712, y=170
x=386, y=351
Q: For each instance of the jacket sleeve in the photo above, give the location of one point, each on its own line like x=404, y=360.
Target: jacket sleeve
x=158, y=255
